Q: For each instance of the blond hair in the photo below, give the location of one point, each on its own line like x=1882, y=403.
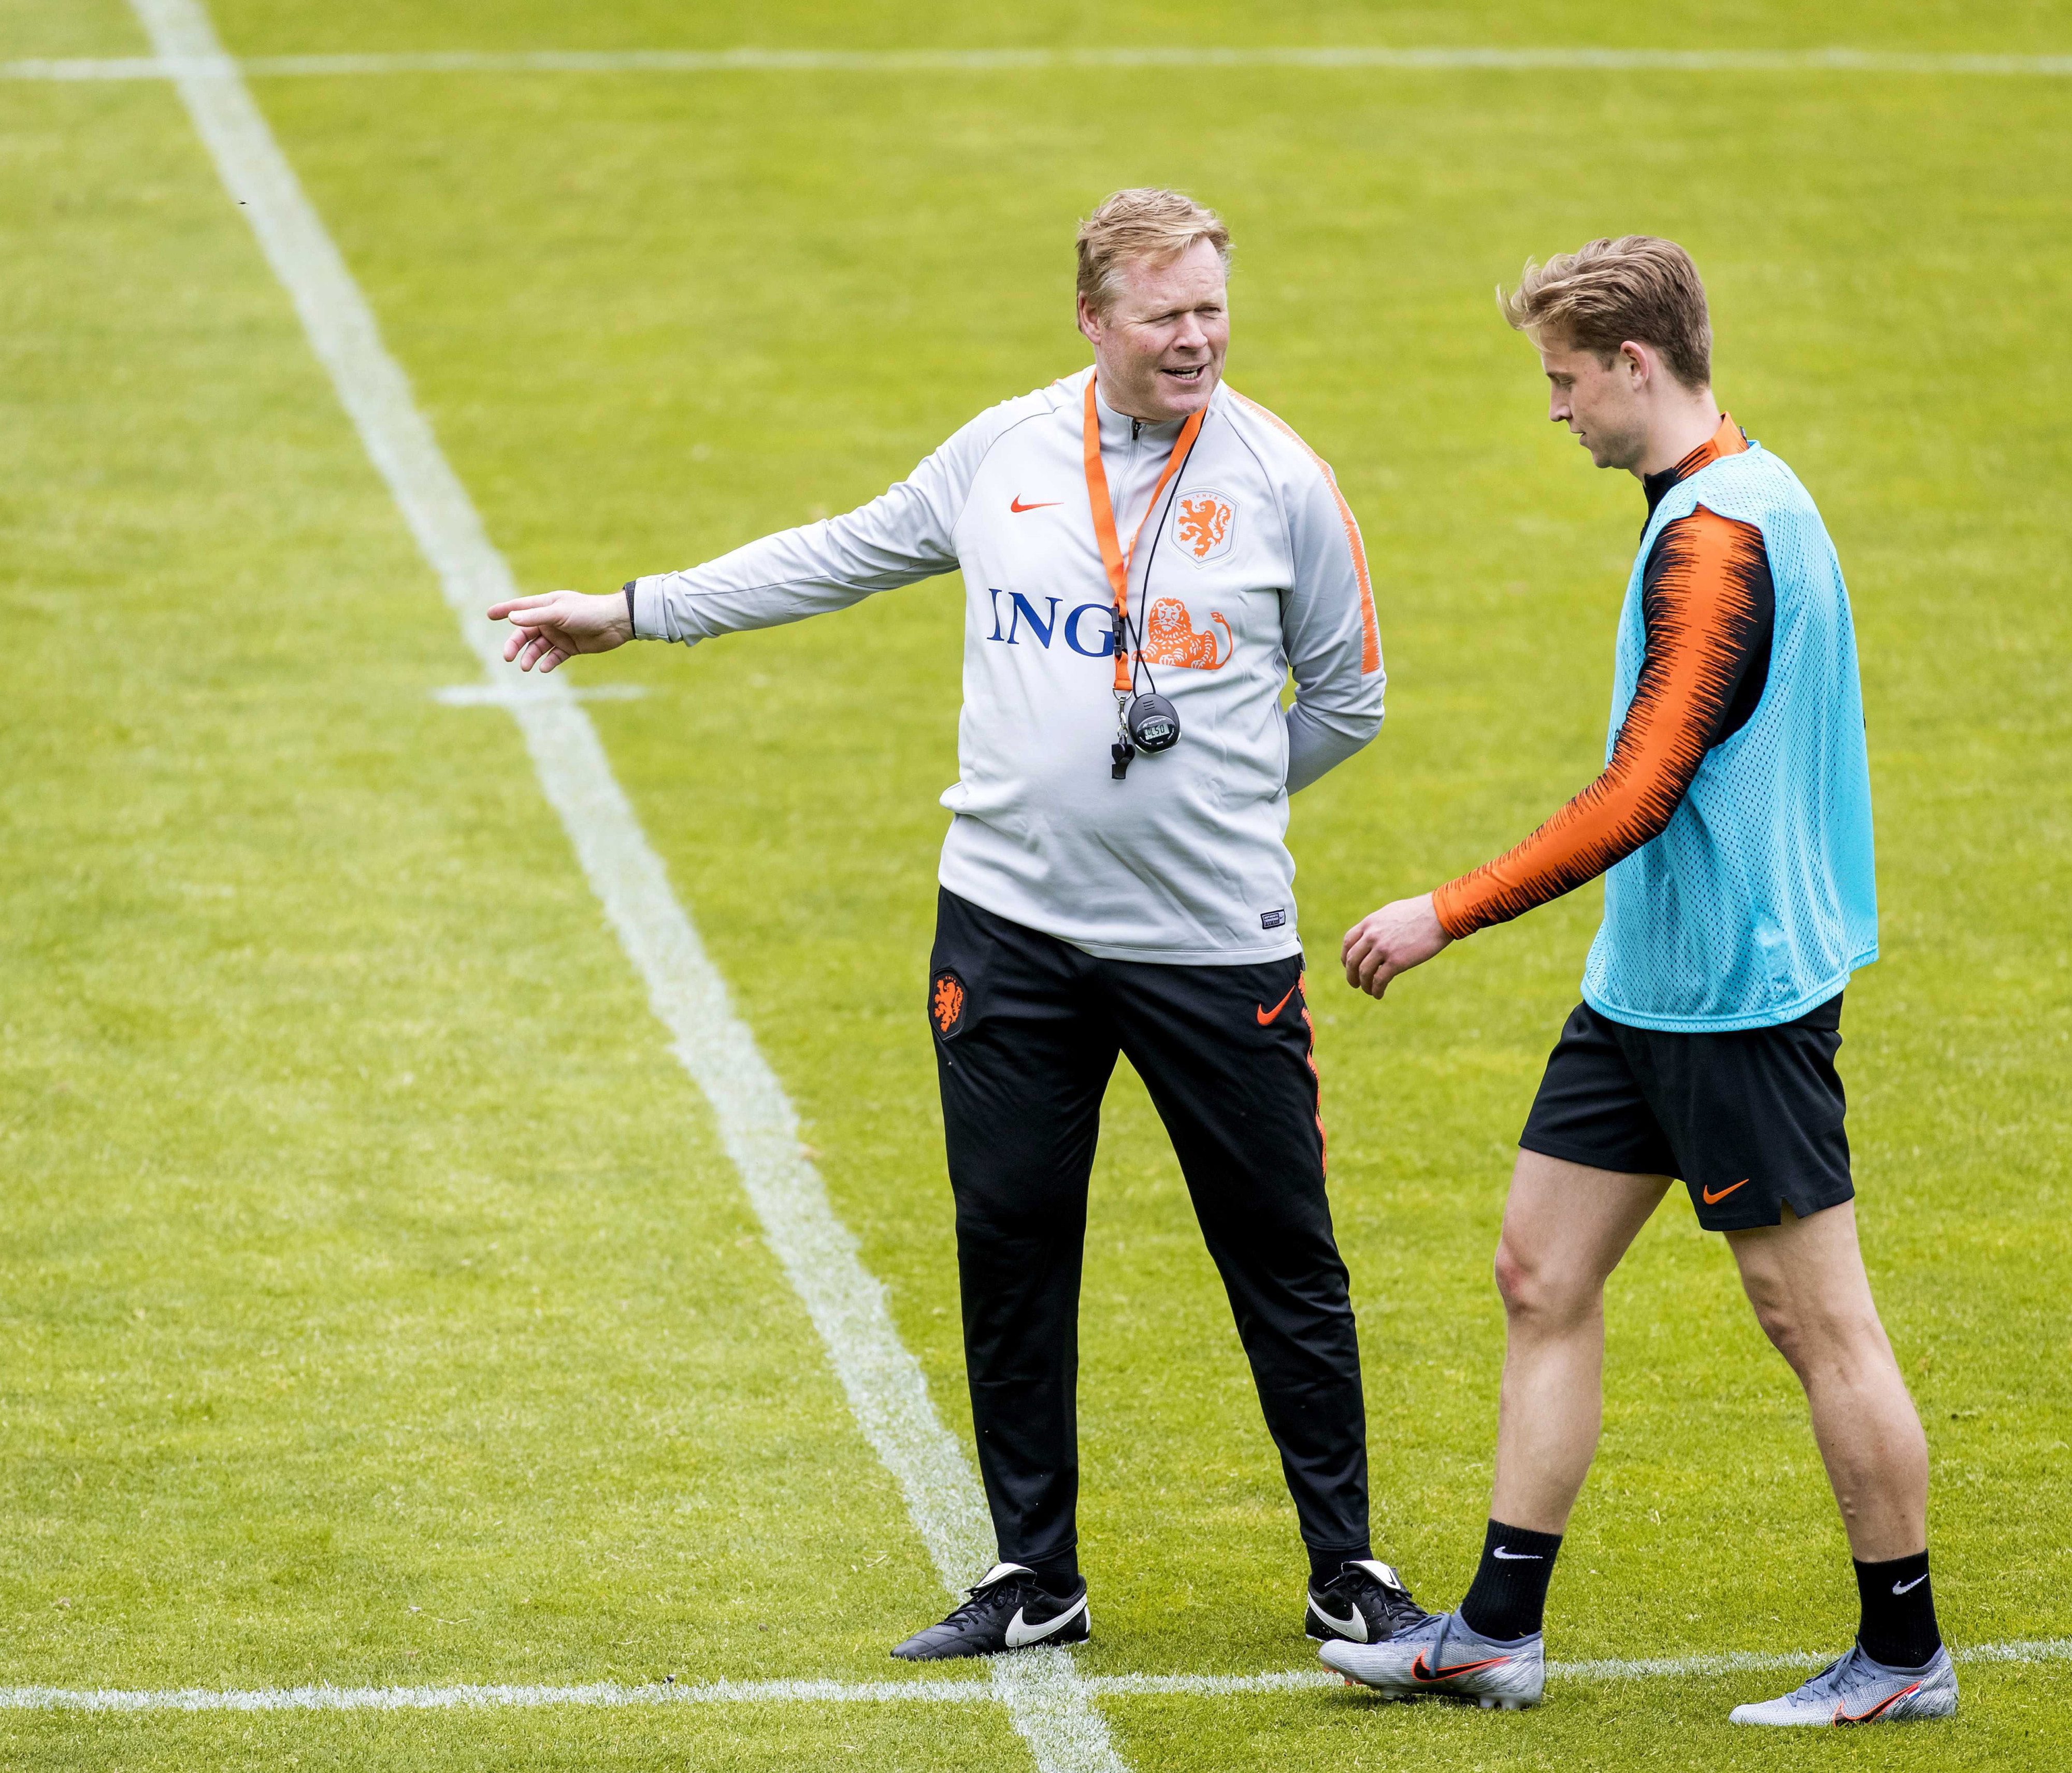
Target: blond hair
x=1145, y=224
x=1602, y=294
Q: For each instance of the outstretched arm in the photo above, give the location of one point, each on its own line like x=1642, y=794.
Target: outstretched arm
x=905, y=534
x=1708, y=605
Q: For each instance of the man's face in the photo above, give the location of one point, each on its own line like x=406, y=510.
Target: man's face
x=1160, y=345
x=1603, y=404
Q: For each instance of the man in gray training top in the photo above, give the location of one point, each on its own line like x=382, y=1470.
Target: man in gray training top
x=1145, y=555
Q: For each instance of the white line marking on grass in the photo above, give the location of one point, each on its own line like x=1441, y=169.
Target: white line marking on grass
x=1210, y=1686
x=594, y=1693
x=880, y=1693
x=758, y=1125
x=968, y=61
x=1731, y=1662
x=2041, y=1650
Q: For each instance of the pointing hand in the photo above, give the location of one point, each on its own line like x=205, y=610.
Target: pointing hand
x=546, y=630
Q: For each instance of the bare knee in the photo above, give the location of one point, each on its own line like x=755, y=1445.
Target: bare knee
x=1542, y=1294
x=1815, y=1338
x=1785, y=1326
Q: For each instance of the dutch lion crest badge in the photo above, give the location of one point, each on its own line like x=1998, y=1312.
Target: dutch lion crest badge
x=1204, y=524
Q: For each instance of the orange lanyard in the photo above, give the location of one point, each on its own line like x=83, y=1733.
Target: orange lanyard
x=1112, y=556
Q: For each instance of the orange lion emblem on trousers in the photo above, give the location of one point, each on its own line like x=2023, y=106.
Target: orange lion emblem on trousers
x=1203, y=523
x=949, y=1002
x=1170, y=639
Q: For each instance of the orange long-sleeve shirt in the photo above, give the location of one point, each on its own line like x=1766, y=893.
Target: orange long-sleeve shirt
x=1708, y=608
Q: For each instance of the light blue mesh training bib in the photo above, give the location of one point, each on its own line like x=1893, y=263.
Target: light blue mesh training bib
x=1760, y=898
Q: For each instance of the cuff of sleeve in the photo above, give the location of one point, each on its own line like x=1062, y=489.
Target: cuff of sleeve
x=1454, y=918
x=644, y=600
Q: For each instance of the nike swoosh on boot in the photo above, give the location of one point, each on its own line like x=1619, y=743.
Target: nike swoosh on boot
x=1020, y=1632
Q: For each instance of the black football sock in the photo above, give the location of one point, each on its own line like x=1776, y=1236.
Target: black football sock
x=1898, y=1626
x=1324, y=1565
x=1058, y=1574
x=1508, y=1596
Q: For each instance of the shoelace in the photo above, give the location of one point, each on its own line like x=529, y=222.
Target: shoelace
x=987, y=1594
x=1397, y=1607
x=1829, y=1681
x=1009, y=1592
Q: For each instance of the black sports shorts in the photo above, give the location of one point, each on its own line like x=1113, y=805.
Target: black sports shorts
x=1751, y=1121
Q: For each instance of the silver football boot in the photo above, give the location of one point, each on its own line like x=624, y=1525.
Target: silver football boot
x=1856, y=1690
x=1440, y=1655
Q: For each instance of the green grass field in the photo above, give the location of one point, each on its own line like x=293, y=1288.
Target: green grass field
x=376, y=1305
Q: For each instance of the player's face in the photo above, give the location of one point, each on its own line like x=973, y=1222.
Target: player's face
x=1160, y=346
x=1602, y=404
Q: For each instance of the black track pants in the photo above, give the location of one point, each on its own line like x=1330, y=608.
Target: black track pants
x=1027, y=1029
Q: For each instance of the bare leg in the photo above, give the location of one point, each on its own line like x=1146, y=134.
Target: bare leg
x=1565, y=1227
x=1805, y=1278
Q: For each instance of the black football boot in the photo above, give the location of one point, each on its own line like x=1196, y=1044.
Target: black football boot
x=1008, y=1611
x=1366, y=1602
